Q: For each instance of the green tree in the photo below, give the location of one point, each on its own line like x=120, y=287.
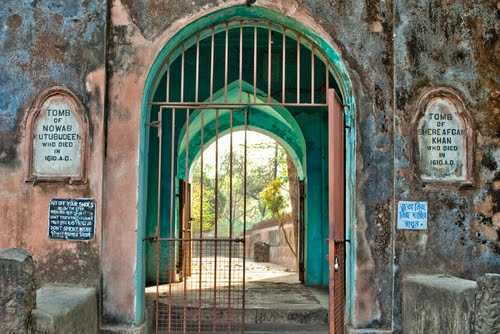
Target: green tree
x=273, y=198
x=260, y=174
x=208, y=205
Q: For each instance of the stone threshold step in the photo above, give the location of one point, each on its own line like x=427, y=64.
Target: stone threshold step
x=254, y=317
x=288, y=332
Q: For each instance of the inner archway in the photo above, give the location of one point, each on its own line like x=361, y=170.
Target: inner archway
x=258, y=197
x=202, y=68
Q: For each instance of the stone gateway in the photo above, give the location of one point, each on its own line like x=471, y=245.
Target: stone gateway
x=129, y=166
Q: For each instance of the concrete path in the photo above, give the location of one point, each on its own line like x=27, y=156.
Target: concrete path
x=275, y=301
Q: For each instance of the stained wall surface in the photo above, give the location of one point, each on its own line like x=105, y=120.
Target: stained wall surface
x=45, y=44
x=451, y=44
x=394, y=51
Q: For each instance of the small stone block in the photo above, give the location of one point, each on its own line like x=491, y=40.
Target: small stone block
x=437, y=304
x=65, y=309
x=261, y=252
x=17, y=291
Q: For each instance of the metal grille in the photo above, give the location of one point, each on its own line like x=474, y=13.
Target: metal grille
x=200, y=278
x=225, y=70
x=211, y=299
x=259, y=62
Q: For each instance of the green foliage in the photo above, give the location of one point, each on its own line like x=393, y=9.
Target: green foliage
x=266, y=189
x=208, y=213
x=273, y=198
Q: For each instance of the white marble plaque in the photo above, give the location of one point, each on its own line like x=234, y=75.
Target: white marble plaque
x=442, y=136
x=57, y=139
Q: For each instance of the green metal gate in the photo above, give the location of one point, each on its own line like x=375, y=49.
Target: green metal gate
x=213, y=83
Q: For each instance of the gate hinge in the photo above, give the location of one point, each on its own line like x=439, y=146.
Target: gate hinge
x=154, y=124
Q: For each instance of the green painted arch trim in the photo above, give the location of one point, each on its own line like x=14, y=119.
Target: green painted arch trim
x=271, y=134
x=341, y=77
x=338, y=68
x=274, y=121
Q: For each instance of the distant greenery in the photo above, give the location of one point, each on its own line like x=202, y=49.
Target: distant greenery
x=273, y=198
x=266, y=189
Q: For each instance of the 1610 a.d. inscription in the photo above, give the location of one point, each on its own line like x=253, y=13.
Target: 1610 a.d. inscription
x=444, y=138
x=58, y=137
x=72, y=219
x=57, y=140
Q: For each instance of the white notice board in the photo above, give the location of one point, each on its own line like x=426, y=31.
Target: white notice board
x=412, y=215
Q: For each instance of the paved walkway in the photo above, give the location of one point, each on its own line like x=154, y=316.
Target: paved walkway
x=275, y=301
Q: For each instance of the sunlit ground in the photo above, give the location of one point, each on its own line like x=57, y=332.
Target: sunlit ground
x=266, y=284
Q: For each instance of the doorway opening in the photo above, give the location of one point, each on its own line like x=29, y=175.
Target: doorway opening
x=236, y=75
x=245, y=247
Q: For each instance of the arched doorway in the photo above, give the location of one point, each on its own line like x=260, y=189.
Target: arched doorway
x=242, y=67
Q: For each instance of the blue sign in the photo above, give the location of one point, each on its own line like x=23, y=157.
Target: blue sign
x=412, y=215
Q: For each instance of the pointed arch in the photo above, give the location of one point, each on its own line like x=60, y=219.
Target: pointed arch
x=272, y=120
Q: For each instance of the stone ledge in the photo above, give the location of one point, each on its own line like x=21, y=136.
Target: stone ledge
x=15, y=254
x=65, y=309
x=436, y=304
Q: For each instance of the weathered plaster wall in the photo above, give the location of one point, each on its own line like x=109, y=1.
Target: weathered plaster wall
x=46, y=43
x=454, y=44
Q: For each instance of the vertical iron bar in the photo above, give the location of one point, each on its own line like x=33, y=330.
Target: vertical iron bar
x=216, y=220
x=182, y=73
x=212, y=65
x=283, y=62
x=226, y=60
x=269, y=61
x=241, y=62
x=185, y=243
x=172, y=203
x=244, y=217
x=298, y=68
x=312, y=75
x=231, y=206
x=158, y=220
x=255, y=64
x=201, y=220
x=197, y=80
